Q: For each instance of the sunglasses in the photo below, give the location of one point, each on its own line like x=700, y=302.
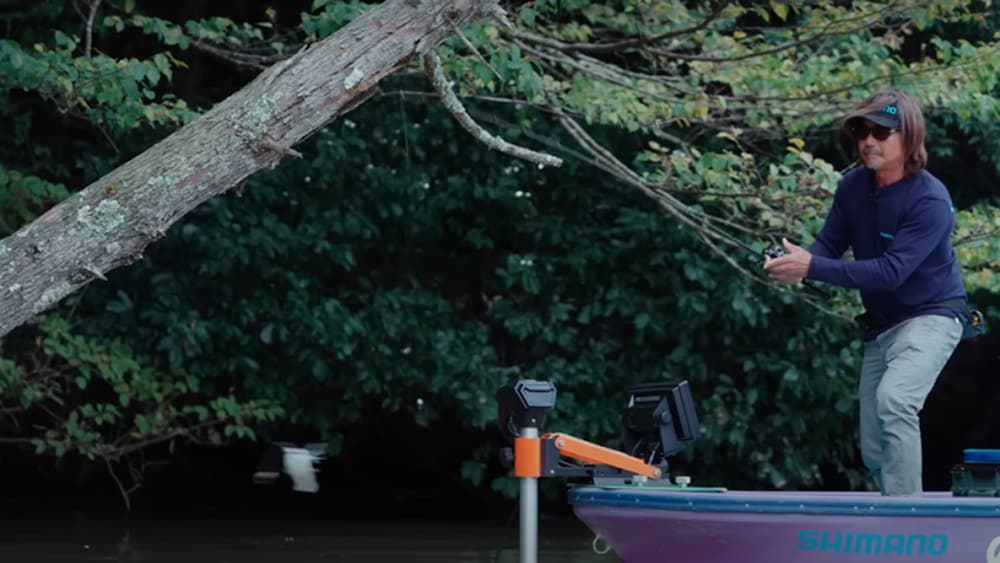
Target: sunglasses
x=860, y=131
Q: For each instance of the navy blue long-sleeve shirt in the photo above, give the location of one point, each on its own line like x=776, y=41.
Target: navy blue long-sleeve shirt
x=900, y=236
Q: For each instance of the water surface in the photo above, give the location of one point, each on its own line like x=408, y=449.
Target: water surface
x=89, y=537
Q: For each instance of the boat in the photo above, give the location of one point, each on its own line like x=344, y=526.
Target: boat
x=708, y=525
x=636, y=509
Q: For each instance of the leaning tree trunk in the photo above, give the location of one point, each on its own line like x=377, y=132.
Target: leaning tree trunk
x=111, y=221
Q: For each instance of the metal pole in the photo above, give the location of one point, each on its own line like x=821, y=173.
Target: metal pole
x=529, y=510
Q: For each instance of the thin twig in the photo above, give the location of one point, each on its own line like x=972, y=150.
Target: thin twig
x=500, y=15
x=604, y=48
x=124, y=448
x=675, y=207
x=15, y=441
x=453, y=105
x=79, y=12
x=978, y=237
x=600, y=70
x=480, y=98
x=92, y=270
x=251, y=61
x=278, y=149
x=104, y=133
x=471, y=47
x=686, y=215
x=118, y=482
x=866, y=23
x=89, y=35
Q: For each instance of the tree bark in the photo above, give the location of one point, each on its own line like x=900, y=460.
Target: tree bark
x=110, y=222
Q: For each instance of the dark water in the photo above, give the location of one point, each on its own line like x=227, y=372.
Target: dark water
x=83, y=537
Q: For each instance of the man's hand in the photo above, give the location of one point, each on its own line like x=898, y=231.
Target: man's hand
x=790, y=268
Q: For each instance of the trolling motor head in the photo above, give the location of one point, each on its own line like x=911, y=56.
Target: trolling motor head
x=523, y=403
x=659, y=421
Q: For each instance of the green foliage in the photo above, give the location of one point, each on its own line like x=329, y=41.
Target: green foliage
x=115, y=93
x=93, y=398
x=456, y=267
x=400, y=267
x=730, y=90
x=22, y=195
x=330, y=16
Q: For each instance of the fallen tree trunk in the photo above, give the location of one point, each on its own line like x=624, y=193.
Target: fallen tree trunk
x=110, y=222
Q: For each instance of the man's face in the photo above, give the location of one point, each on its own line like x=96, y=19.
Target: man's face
x=879, y=154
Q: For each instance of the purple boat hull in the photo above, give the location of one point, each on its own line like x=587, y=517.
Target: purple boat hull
x=692, y=526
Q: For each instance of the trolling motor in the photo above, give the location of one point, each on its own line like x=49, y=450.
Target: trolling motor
x=521, y=409
x=658, y=421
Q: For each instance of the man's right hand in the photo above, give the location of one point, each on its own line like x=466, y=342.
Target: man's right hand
x=790, y=268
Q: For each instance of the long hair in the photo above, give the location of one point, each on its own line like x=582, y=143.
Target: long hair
x=911, y=124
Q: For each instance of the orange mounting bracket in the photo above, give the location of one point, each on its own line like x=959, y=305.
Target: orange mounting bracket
x=544, y=457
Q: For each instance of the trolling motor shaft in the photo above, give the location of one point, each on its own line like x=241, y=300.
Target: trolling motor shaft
x=522, y=407
x=658, y=421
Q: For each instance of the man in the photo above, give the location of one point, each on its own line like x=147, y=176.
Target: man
x=897, y=220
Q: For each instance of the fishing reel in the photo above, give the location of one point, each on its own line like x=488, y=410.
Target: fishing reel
x=773, y=251
x=777, y=251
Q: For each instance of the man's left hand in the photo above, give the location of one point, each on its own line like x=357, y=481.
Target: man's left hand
x=790, y=268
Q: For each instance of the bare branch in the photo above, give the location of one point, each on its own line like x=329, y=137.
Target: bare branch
x=829, y=30
x=698, y=221
x=403, y=93
x=278, y=149
x=288, y=102
x=247, y=60
x=90, y=269
x=500, y=15
x=880, y=79
x=977, y=237
x=125, y=446
x=866, y=22
x=612, y=47
x=471, y=47
x=453, y=105
x=89, y=35
x=614, y=75
x=118, y=482
x=79, y=12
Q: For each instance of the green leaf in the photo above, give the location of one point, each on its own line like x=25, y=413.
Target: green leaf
x=267, y=334
x=781, y=10
x=641, y=320
x=528, y=16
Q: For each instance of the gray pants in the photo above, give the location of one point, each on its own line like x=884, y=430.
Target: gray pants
x=899, y=369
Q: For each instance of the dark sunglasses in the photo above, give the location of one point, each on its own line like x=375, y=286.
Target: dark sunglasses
x=860, y=131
